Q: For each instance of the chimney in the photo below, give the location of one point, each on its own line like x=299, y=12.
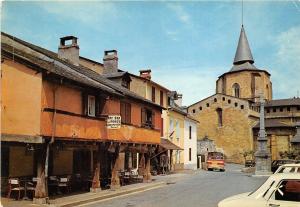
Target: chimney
x=145, y=74
x=178, y=100
x=110, y=61
x=69, y=52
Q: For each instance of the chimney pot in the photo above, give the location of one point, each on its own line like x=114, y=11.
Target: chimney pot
x=110, y=61
x=145, y=74
x=69, y=52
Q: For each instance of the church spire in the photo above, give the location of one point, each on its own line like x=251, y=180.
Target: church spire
x=243, y=52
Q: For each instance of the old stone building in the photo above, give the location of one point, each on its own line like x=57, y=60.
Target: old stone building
x=230, y=117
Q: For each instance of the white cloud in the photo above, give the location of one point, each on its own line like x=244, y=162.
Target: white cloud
x=180, y=12
x=195, y=83
x=286, y=73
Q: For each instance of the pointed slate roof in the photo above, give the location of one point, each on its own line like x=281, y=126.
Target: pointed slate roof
x=243, y=53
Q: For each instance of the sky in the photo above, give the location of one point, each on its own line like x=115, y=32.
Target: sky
x=187, y=45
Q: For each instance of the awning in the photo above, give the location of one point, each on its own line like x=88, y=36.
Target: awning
x=167, y=144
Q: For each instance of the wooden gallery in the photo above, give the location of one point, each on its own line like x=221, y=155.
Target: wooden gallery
x=65, y=126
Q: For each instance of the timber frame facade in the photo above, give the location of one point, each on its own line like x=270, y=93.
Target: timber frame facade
x=54, y=120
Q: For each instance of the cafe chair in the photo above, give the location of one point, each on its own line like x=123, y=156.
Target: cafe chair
x=64, y=182
x=31, y=186
x=14, y=186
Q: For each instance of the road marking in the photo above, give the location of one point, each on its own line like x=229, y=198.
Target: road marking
x=107, y=199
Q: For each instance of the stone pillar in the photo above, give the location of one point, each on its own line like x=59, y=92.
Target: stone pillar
x=40, y=195
x=273, y=147
x=141, y=168
x=262, y=155
x=147, y=170
x=96, y=185
x=115, y=180
x=129, y=160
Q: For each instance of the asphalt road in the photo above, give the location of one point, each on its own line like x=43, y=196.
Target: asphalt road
x=202, y=188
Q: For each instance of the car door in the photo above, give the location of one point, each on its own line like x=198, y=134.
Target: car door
x=287, y=194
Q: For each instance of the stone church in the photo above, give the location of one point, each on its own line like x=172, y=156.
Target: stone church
x=230, y=117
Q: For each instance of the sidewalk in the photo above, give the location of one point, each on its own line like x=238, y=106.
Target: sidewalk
x=73, y=200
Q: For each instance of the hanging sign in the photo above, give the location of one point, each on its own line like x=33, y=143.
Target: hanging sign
x=114, y=122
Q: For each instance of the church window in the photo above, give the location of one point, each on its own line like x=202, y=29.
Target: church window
x=229, y=101
x=207, y=104
x=194, y=111
x=215, y=100
x=242, y=106
x=236, y=90
x=223, y=98
x=235, y=104
x=200, y=108
x=220, y=117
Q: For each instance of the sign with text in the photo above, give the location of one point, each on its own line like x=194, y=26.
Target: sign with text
x=114, y=122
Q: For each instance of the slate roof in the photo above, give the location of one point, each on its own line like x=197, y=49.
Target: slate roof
x=167, y=144
x=243, y=53
x=114, y=75
x=283, y=102
x=273, y=123
x=49, y=61
x=243, y=66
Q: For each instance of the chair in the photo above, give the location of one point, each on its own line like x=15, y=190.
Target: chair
x=31, y=185
x=14, y=185
x=64, y=182
x=53, y=184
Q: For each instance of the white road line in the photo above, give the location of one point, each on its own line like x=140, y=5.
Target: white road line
x=106, y=199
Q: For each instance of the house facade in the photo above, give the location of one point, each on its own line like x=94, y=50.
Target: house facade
x=60, y=118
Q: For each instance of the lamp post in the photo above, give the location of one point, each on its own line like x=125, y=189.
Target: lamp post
x=262, y=155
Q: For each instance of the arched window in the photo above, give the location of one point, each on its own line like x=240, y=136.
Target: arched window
x=236, y=90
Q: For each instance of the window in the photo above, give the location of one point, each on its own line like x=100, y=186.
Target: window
x=161, y=98
x=220, y=117
x=288, y=191
x=125, y=83
x=274, y=110
x=161, y=127
x=177, y=130
x=125, y=112
x=268, y=110
x=91, y=105
x=236, y=90
x=242, y=106
x=298, y=108
x=215, y=100
x=288, y=109
x=194, y=111
x=171, y=129
x=235, y=104
x=200, y=108
x=190, y=154
x=223, y=98
x=229, y=101
x=190, y=132
x=147, y=118
x=207, y=104
x=153, y=93
x=281, y=109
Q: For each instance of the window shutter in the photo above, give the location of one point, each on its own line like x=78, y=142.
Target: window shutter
x=123, y=112
x=84, y=103
x=128, y=113
x=97, y=107
x=143, y=116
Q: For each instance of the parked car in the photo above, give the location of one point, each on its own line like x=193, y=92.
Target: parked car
x=288, y=168
x=249, y=163
x=277, y=163
x=281, y=189
x=215, y=161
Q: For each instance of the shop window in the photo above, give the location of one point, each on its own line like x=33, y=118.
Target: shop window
x=125, y=112
x=147, y=118
x=153, y=94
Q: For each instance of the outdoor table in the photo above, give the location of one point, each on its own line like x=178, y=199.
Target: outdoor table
x=25, y=180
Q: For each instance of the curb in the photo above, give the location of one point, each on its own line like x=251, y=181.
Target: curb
x=112, y=195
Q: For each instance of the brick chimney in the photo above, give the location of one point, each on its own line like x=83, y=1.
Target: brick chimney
x=69, y=49
x=145, y=74
x=110, y=61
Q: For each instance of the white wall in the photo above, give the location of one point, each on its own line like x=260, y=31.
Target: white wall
x=190, y=143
